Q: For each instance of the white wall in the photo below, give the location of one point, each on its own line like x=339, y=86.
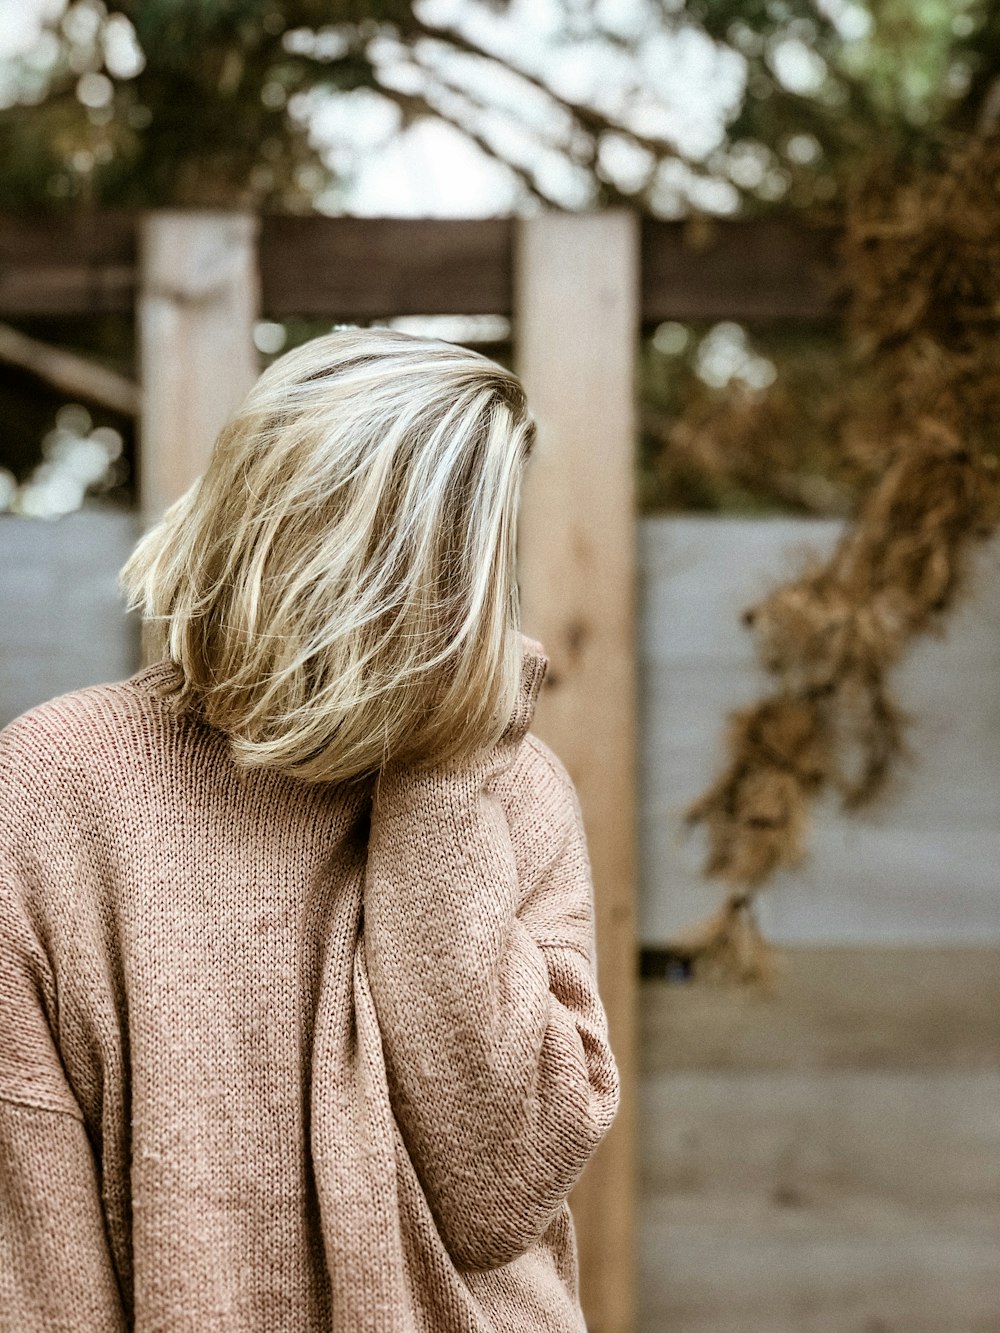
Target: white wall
x=61, y=624
x=921, y=868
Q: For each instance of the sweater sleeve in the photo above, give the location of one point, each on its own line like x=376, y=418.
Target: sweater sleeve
x=501, y=1076
x=56, y=1271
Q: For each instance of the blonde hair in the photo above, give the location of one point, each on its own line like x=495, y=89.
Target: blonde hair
x=338, y=588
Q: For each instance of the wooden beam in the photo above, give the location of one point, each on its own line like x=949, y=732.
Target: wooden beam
x=576, y=323
x=877, y=1007
x=370, y=268
x=756, y=269
x=68, y=372
x=76, y=263
x=197, y=307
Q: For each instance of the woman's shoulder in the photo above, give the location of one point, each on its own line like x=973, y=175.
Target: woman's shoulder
x=541, y=766
x=83, y=729
x=538, y=791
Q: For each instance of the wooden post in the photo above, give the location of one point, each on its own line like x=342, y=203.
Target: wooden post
x=576, y=326
x=197, y=304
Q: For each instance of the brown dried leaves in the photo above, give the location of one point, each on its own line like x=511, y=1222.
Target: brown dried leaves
x=922, y=257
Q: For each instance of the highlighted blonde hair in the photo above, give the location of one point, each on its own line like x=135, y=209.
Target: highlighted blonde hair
x=338, y=588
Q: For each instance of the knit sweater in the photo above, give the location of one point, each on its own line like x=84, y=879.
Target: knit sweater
x=288, y=1056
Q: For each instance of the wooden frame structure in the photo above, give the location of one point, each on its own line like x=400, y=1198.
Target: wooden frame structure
x=578, y=289
x=763, y=269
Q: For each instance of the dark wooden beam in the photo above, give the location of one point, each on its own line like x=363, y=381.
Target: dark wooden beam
x=67, y=264
x=754, y=270
x=370, y=268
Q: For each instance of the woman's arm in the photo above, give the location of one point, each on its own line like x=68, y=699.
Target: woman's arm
x=55, y=1266
x=495, y=1039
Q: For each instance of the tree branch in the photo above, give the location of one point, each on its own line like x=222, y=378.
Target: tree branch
x=411, y=103
x=587, y=118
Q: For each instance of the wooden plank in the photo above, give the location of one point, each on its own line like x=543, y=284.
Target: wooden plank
x=368, y=268
x=783, y=1270
x=754, y=269
x=576, y=324
x=75, y=263
x=841, y=1143
x=197, y=307
x=826, y=1157
x=834, y=1008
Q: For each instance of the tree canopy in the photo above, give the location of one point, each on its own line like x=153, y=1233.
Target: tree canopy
x=214, y=102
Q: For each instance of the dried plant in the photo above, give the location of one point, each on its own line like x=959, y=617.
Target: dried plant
x=921, y=257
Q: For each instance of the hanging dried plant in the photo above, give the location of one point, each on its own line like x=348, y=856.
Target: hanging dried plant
x=921, y=257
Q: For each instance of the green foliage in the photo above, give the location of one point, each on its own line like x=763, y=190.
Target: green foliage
x=829, y=83
x=207, y=101
x=759, y=437
x=193, y=108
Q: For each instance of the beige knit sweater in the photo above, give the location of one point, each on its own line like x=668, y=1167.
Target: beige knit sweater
x=287, y=1057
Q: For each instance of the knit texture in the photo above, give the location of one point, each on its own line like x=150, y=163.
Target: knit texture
x=289, y=1056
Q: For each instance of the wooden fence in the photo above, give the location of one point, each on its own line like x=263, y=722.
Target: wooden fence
x=578, y=289
x=821, y=1160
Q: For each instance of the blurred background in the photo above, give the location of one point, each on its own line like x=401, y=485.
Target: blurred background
x=802, y=953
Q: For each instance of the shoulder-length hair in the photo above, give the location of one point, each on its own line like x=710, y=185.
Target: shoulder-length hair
x=338, y=588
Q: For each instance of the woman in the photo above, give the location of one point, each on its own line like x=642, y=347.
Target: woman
x=299, y=1026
